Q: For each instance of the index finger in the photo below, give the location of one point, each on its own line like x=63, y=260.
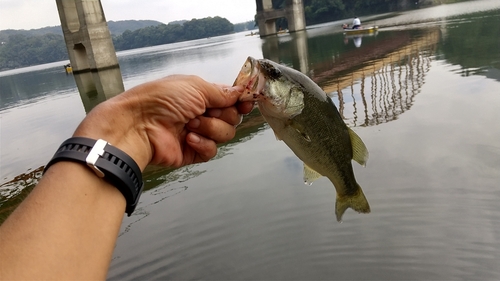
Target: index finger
x=220, y=96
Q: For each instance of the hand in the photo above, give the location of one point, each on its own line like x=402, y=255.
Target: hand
x=174, y=121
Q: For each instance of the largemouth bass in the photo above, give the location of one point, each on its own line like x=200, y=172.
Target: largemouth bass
x=306, y=119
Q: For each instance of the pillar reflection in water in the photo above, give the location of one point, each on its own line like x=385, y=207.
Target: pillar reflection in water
x=94, y=86
x=297, y=53
x=385, y=87
x=370, y=85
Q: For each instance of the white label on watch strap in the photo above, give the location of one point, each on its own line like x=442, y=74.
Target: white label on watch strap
x=94, y=154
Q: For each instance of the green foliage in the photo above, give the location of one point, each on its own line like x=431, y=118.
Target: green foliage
x=170, y=33
x=249, y=25
x=22, y=50
x=115, y=28
x=318, y=11
x=118, y=27
x=4, y=34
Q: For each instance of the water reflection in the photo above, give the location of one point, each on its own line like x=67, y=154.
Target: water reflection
x=293, y=47
x=28, y=87
x=97, y=86
x=385, y=87
x=13, y=192
x=378, y=82
x=478, y=54
x=357, y=40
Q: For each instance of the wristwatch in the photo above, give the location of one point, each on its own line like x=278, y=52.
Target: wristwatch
x=108, y=162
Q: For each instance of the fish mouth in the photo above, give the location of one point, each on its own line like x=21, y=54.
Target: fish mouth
x=252, y=80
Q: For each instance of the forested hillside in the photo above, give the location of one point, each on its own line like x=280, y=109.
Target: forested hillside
x=170, y=33
x=4, y=34
x=118, y=27
x=20, y=48
x=23, y=50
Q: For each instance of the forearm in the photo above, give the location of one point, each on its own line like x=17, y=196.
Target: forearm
x=66, y=228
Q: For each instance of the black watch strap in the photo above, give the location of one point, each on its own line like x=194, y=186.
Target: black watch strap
x=108, y=162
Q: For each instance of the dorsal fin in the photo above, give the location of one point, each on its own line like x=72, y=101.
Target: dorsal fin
x=359, y=151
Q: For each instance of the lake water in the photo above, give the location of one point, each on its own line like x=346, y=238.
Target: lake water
x=423, y=94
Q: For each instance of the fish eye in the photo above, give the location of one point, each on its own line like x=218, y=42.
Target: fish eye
x=247, y=67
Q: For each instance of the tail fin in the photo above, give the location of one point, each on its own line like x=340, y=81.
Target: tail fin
x=357, y=202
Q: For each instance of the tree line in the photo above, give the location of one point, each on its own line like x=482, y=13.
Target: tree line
x=173, y=32
x=22, y=50
x=320, y=11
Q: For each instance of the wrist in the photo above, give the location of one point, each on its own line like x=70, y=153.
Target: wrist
x=107, y=162
x=117, y=121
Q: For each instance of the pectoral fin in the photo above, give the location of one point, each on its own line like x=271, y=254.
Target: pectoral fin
x=359, y=150
x=310, y=175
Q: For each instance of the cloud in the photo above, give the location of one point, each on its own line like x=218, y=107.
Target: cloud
x=167, y=11
x=28, y=14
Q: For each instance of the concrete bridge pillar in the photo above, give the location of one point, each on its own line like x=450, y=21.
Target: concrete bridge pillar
x=266, y=16
x=91, y=51
x=295, y=15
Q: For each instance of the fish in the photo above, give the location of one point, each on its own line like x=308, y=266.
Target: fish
x=306, y=119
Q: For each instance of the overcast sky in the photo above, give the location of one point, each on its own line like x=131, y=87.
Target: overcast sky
x=32, y=14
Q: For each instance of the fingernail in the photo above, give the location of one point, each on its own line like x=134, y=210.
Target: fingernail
x=194, y=137
x=194, y=123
